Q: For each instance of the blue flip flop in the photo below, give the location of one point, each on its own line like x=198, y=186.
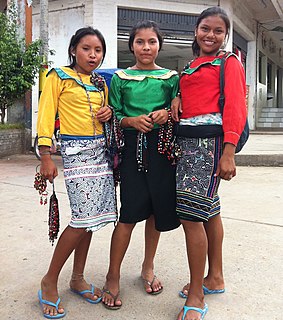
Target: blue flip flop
x=208, y=291
x=182, y=295
x=91, y=291
x=49, y=303
x=201, y=311
x=205, y=292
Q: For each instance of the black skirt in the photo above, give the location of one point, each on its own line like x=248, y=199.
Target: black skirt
x=145, y=193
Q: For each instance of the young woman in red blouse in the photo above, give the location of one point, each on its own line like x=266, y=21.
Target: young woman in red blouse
x=208, y=141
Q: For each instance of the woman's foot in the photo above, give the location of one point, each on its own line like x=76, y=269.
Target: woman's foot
x=78, y=284
x=49, y=293
x=194, y=309
x=152, y=287
x=110, y=294
x=210, y=283
x=151, y=283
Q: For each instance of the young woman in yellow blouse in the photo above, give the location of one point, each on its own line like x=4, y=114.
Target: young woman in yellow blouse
x=81, y=103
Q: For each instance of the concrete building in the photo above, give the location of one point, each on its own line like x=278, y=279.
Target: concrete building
x=256, y=36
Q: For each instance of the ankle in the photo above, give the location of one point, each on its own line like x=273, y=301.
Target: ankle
x=77, y=276
x=195, y=299
x=112, y=277
x=49, y=282
x=147, y=266
x=216, y=277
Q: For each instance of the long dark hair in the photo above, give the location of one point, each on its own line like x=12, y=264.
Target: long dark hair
x=76, y=38
x=213, y=11
x=146, y=24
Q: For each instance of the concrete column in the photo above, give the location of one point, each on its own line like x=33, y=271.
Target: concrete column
x=251, y=80
x=280, y=89
x=227, y=6
x=274, y=84
x=105, y=19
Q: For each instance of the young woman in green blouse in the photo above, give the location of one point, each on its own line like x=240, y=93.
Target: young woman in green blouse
x=141, y=96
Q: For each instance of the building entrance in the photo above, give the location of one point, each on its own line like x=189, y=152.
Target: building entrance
x=178, y=33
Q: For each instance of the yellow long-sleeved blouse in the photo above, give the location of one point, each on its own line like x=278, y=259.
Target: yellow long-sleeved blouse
x=65, y=94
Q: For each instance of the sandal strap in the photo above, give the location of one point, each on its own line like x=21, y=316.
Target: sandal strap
x=91, y=291
x=148, y=282
x=114, y=297
x=49, y=303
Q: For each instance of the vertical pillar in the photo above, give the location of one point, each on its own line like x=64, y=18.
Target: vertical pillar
x=28, y=37
x=105, y=19
x=227, y=6
x=44, y=37
x=251, y=80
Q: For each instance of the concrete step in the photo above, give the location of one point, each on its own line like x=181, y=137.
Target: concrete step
x=270, y=125
x=272, y=110
x=272, y=114
x=270, y=119
x=261, y=160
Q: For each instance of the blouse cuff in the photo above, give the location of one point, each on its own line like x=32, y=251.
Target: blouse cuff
x=231, y=137
x=120, y=121
x=44, y=141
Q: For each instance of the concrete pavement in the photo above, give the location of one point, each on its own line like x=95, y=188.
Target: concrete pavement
x=253, y=253
x=262, y=149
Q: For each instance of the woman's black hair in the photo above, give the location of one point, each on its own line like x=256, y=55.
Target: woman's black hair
x=146, y=24
x=213, y=11
x=76, y=38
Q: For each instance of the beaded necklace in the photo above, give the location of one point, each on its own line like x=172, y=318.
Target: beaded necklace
x=142, y=152
x=89, y=102
x=114, y=138
x=167, y=143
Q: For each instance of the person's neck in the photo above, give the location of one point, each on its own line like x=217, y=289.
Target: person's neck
x=139, y=66
x=80, y=72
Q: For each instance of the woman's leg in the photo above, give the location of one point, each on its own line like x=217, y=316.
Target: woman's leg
x=151, y=241
x=119, y=244
x=78, y=282
x=214, y=231
x=196, y=242
x=67, y=242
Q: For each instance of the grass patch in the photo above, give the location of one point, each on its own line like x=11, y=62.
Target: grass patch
x=6, y=126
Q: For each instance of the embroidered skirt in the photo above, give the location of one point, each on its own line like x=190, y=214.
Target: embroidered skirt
x=89, y=182
x=197, y=198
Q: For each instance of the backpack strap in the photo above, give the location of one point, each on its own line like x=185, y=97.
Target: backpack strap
x=221, y=100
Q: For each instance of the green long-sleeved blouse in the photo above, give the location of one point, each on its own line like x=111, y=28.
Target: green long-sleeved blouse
x=136, y=92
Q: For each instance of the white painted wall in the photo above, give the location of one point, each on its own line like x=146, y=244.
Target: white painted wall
x=67, y=16
x=62, y=25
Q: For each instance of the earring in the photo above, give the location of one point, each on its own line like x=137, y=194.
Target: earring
x=73, y=55
x=224, y=44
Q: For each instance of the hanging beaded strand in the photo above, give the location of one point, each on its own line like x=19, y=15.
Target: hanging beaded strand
x=167, y=143
x=54, y=219
x=40, y=185
x=88, y=99
x=112, y=131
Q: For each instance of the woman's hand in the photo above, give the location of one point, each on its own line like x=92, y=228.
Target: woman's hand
x=227, y=168
x=176, y=108
x=141, y=123
x=159, y=116
x=104, y=114
x=48, y=168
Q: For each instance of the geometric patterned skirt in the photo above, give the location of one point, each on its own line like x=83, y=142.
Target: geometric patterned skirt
x=89, y=183
x=197, y=187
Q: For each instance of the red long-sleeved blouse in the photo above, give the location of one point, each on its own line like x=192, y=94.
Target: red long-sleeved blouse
x=200, y=92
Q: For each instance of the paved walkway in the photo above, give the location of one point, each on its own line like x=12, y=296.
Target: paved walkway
x=262, y=149
x=253, y=253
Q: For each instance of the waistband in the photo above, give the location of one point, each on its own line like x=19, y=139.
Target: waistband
x=70, y=137
x=203, y=131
